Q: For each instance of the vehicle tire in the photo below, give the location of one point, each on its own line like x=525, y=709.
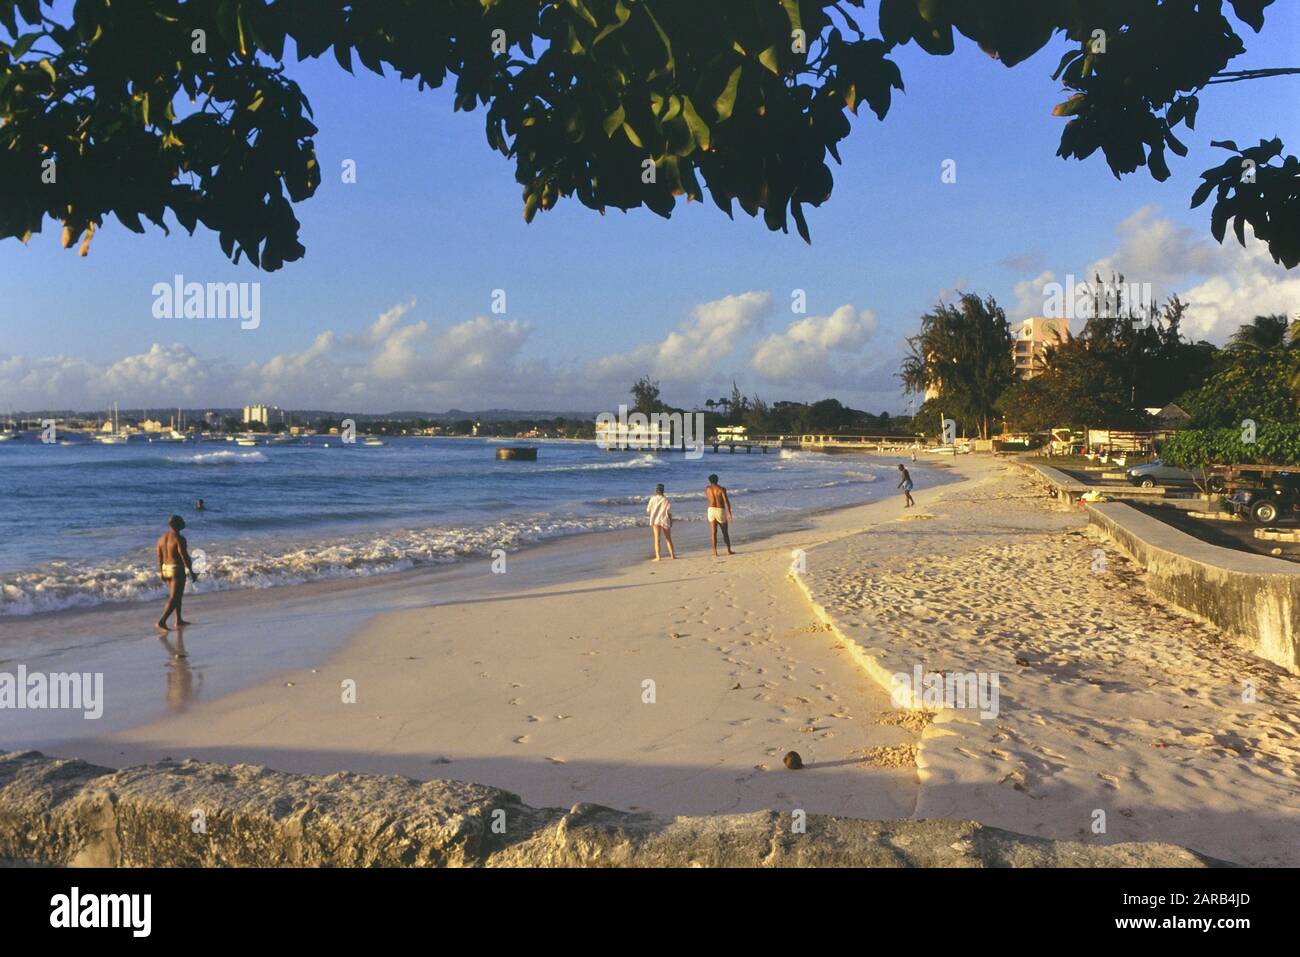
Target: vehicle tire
x=1264, y=512
x=1148, y=483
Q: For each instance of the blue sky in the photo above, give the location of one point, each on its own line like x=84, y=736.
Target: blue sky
x=434, y=224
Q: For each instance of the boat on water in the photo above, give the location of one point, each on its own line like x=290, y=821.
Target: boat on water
x=373, y=443
x=115, y=437
x=9, y=433
x=245, y=441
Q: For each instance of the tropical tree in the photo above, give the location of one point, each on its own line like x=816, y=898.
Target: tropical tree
x=645, y=396
x=185, y=110
x=964, y=351
x=1262, y=333
x=1250, y=384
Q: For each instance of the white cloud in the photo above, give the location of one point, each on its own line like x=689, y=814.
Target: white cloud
x=1031, y=295
x=813, y=349
x=1159, y=251
x=399, y=361
x=1224, y=285
x=695, y=350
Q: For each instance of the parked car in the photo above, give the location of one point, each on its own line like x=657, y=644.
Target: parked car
x=1158, y=473
x=1274, y=498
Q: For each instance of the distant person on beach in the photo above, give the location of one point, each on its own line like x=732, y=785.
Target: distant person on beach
x=198, y=506
x=719, y=514
x=905, y=483
x=660, y=511
x=173, y=563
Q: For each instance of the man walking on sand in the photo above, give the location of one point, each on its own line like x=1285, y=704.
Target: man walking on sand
x=173, y=563
x=660, y=511
x=905, y=483
x=719, y=514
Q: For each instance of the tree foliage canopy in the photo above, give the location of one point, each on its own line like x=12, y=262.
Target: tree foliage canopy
x=963, y=350
x=1116, y=368
x=185, y=107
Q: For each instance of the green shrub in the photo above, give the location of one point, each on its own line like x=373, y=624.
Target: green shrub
x=1194, y=448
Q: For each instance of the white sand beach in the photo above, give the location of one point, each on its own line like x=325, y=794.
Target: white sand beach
x=1109, y=700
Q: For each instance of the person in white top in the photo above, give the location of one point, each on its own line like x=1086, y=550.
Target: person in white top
x=660, y=511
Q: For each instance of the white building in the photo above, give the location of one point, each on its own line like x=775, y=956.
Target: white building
x=263, y=414
x=1033, y=337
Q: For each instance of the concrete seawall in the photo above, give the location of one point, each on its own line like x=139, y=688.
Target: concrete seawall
x=191, y=813
x=1254, y=597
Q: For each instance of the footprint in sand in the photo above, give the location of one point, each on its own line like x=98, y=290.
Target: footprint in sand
x=513, y=701
x=533, y=717
x=1112, y=782
x=522, y=739
x=557, y=760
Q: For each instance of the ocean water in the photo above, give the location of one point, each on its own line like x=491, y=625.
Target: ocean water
x=78, y=522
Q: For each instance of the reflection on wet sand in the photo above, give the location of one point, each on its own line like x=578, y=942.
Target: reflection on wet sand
x=182, y=683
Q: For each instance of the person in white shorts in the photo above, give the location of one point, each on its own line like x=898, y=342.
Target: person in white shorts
x=660, y=511
x=719, y=514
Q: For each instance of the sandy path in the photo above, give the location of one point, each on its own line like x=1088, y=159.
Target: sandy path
x=1111, y=701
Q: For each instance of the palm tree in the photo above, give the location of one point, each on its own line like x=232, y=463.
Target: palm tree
x=1263, y=333
x=964, y=351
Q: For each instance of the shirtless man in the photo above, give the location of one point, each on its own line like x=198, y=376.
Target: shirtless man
x=173, y=562
x=905, y=483
x=719, y=514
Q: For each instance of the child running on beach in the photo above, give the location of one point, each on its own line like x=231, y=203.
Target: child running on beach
x=660, y=511
x=905, y=483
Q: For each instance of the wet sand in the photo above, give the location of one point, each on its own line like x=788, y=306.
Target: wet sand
x=677, y=687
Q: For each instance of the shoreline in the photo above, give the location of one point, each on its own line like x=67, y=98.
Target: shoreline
x=1112, y=702
x=255, y=559
x=743, y=668
x=311, y=622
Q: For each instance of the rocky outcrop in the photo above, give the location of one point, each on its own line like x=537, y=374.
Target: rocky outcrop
x=191, y=813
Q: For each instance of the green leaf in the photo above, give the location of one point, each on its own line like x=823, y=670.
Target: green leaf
x=792, y=11
x=343, y=53
x=726, y=101
x=614, y=121
x=699, y=129
x=1202, y=193
x=671, y=65
x=1070, y=106
x=23, y=44
x=621, y=14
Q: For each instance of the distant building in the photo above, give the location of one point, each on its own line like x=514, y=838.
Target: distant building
x=151, y=425
x=1033, y=337
x=262, y=414
x=1170, y=417
x=654, y=434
